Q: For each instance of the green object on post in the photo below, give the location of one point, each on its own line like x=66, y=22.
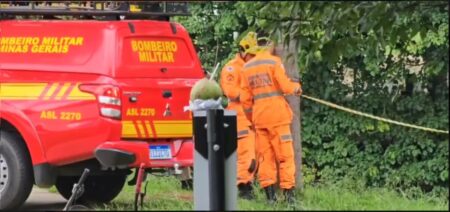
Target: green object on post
x=206, y=89
x=224, y=102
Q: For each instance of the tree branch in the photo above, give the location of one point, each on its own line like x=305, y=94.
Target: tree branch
x=285, y=19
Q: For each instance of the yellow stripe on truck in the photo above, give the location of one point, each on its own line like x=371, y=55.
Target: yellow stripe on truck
x=50, y=92
x=128, y=129
x=163, y=129
x=21, y=91
x=168, y=129
x=32, y=91
x=77, y=94
x=149, y=128
x=63, y=90
x=141, y=129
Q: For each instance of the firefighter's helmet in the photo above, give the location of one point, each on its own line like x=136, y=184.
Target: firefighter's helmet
x=249, y=43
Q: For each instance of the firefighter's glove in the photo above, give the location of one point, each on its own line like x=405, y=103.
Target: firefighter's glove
x=298, y=91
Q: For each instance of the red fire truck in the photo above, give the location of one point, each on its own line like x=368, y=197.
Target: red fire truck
x=92, y=85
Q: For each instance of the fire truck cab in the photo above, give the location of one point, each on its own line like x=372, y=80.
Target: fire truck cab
x=106, y=94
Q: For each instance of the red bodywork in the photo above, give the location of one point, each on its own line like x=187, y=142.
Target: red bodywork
x=55, y=77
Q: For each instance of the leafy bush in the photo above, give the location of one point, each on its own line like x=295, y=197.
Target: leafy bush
x=340, y=145
x=382, y=58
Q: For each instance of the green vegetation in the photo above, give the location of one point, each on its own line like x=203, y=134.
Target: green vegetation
x=385, y=58
x=164, y=193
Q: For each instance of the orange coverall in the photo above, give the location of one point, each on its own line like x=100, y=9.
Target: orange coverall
x=264, y=83
x=230, y=83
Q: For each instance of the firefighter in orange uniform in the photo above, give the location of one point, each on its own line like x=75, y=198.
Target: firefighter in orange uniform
x=264, y=84
x=230, y=83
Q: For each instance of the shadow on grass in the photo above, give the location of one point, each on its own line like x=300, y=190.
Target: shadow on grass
x=149, y=204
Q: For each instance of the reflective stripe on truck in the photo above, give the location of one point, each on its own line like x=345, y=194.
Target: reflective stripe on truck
x=156, y=128
x=43, y=91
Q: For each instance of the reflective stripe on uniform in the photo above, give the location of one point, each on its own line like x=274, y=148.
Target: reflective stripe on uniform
x=260, y=62
x=266, y=95
x=248, y=110
x=286, y=137
x=242, y=133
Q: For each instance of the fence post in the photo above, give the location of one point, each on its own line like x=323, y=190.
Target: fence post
x=215, y=140
x=214, y=134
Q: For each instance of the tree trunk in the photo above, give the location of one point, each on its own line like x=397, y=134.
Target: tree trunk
x=289, y=56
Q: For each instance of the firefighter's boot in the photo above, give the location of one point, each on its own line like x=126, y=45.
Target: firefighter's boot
x=289, y=196
x=270, y=194
x=246, y=191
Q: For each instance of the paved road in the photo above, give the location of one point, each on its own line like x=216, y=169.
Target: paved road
x=42, y=199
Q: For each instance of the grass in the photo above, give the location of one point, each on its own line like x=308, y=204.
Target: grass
x=164, y=193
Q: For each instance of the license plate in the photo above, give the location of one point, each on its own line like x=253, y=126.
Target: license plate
x=160, y=152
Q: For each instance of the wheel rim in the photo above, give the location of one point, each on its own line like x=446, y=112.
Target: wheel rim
x=4, y=173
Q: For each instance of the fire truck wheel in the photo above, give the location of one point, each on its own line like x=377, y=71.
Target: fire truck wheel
x=16, y=173
x=97, y=189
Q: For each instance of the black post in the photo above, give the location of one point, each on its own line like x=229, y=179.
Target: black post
x=77, y=190
x=215, y=129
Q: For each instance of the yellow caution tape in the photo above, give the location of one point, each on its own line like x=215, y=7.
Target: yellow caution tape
x=373, y=117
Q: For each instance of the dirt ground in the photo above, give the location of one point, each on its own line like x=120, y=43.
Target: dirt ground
x=42, y=199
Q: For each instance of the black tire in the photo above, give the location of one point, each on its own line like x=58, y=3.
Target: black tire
x=97, y=189
x=15, y=162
